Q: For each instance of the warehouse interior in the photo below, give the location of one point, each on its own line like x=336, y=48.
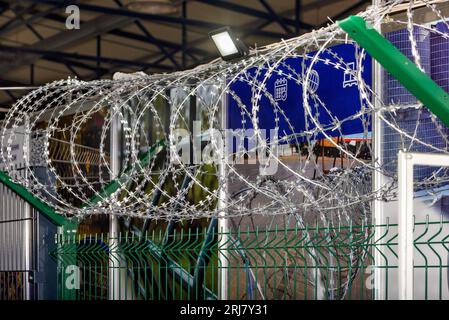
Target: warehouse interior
x=193, y=150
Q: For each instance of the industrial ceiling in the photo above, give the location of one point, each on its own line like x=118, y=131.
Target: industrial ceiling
x=127, y=35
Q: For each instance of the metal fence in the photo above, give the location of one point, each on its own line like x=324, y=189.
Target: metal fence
x=311, y=263
x=16, y=246
x=26, y=238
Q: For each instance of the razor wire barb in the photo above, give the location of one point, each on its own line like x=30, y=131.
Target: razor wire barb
x=340, y=194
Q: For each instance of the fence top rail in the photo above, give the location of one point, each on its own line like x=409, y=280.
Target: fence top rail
x=352, y=234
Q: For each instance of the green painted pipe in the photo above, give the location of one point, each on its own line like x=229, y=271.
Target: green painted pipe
x=35, y=202
x=204, y=258
x=115, y=184
x=401, y=67
x=178, y=272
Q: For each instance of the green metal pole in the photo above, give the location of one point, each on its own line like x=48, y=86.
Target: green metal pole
x=115, y=184
x=203, y=260
x=35, y=202
x=401, y=67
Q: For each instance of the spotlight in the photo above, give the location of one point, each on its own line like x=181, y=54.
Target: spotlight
x=229, y=46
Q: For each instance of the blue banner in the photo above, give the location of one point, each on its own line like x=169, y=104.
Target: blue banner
x=337, y=94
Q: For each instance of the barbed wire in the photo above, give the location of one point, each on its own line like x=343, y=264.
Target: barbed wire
x=128, y=100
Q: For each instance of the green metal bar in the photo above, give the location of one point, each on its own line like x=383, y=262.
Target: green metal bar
x=204, y=258
x=35, y=202
x=168, y=233
x=401, y=67
x=115, y=184
x=179, y=273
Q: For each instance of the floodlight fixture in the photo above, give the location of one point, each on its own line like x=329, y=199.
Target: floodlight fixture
x=229, y=46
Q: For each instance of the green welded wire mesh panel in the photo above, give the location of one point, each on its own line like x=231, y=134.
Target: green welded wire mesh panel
x=298, y=263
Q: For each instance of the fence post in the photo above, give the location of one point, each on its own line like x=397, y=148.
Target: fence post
x=223, y=223
x=405, y=225
x=406, y=163
x=30, y=236
x=114, y=227
x=378, y=177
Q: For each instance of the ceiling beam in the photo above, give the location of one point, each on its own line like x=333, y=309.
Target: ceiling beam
x=11, y=83
x=253, y=12
x=210, y=56
x=151, y=38
x=9, y=93
x=70, y=60
x=64, y=39
x=346, y=12
x=72, y=70
x=315, y=5
x=154, y=17
x=130, y=16
x=159, y=42
x=298, y=9
x=184, y=36
x=72, y=63
x=4, y=6
x=146, y=37
x=138, y=37
x=76, y=56
x=155, y=41
x=39, y=36
x=19, y=15
x=276, y=17
x=14, y=24
x=17, y=20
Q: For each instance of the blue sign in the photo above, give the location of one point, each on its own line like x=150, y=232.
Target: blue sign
x=280, y=100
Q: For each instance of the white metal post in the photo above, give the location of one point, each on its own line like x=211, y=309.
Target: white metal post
x=29, y=236
x=378, y=178
x=223, y=223
x=114, y=263
x=406, y=163
x=405, y=226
